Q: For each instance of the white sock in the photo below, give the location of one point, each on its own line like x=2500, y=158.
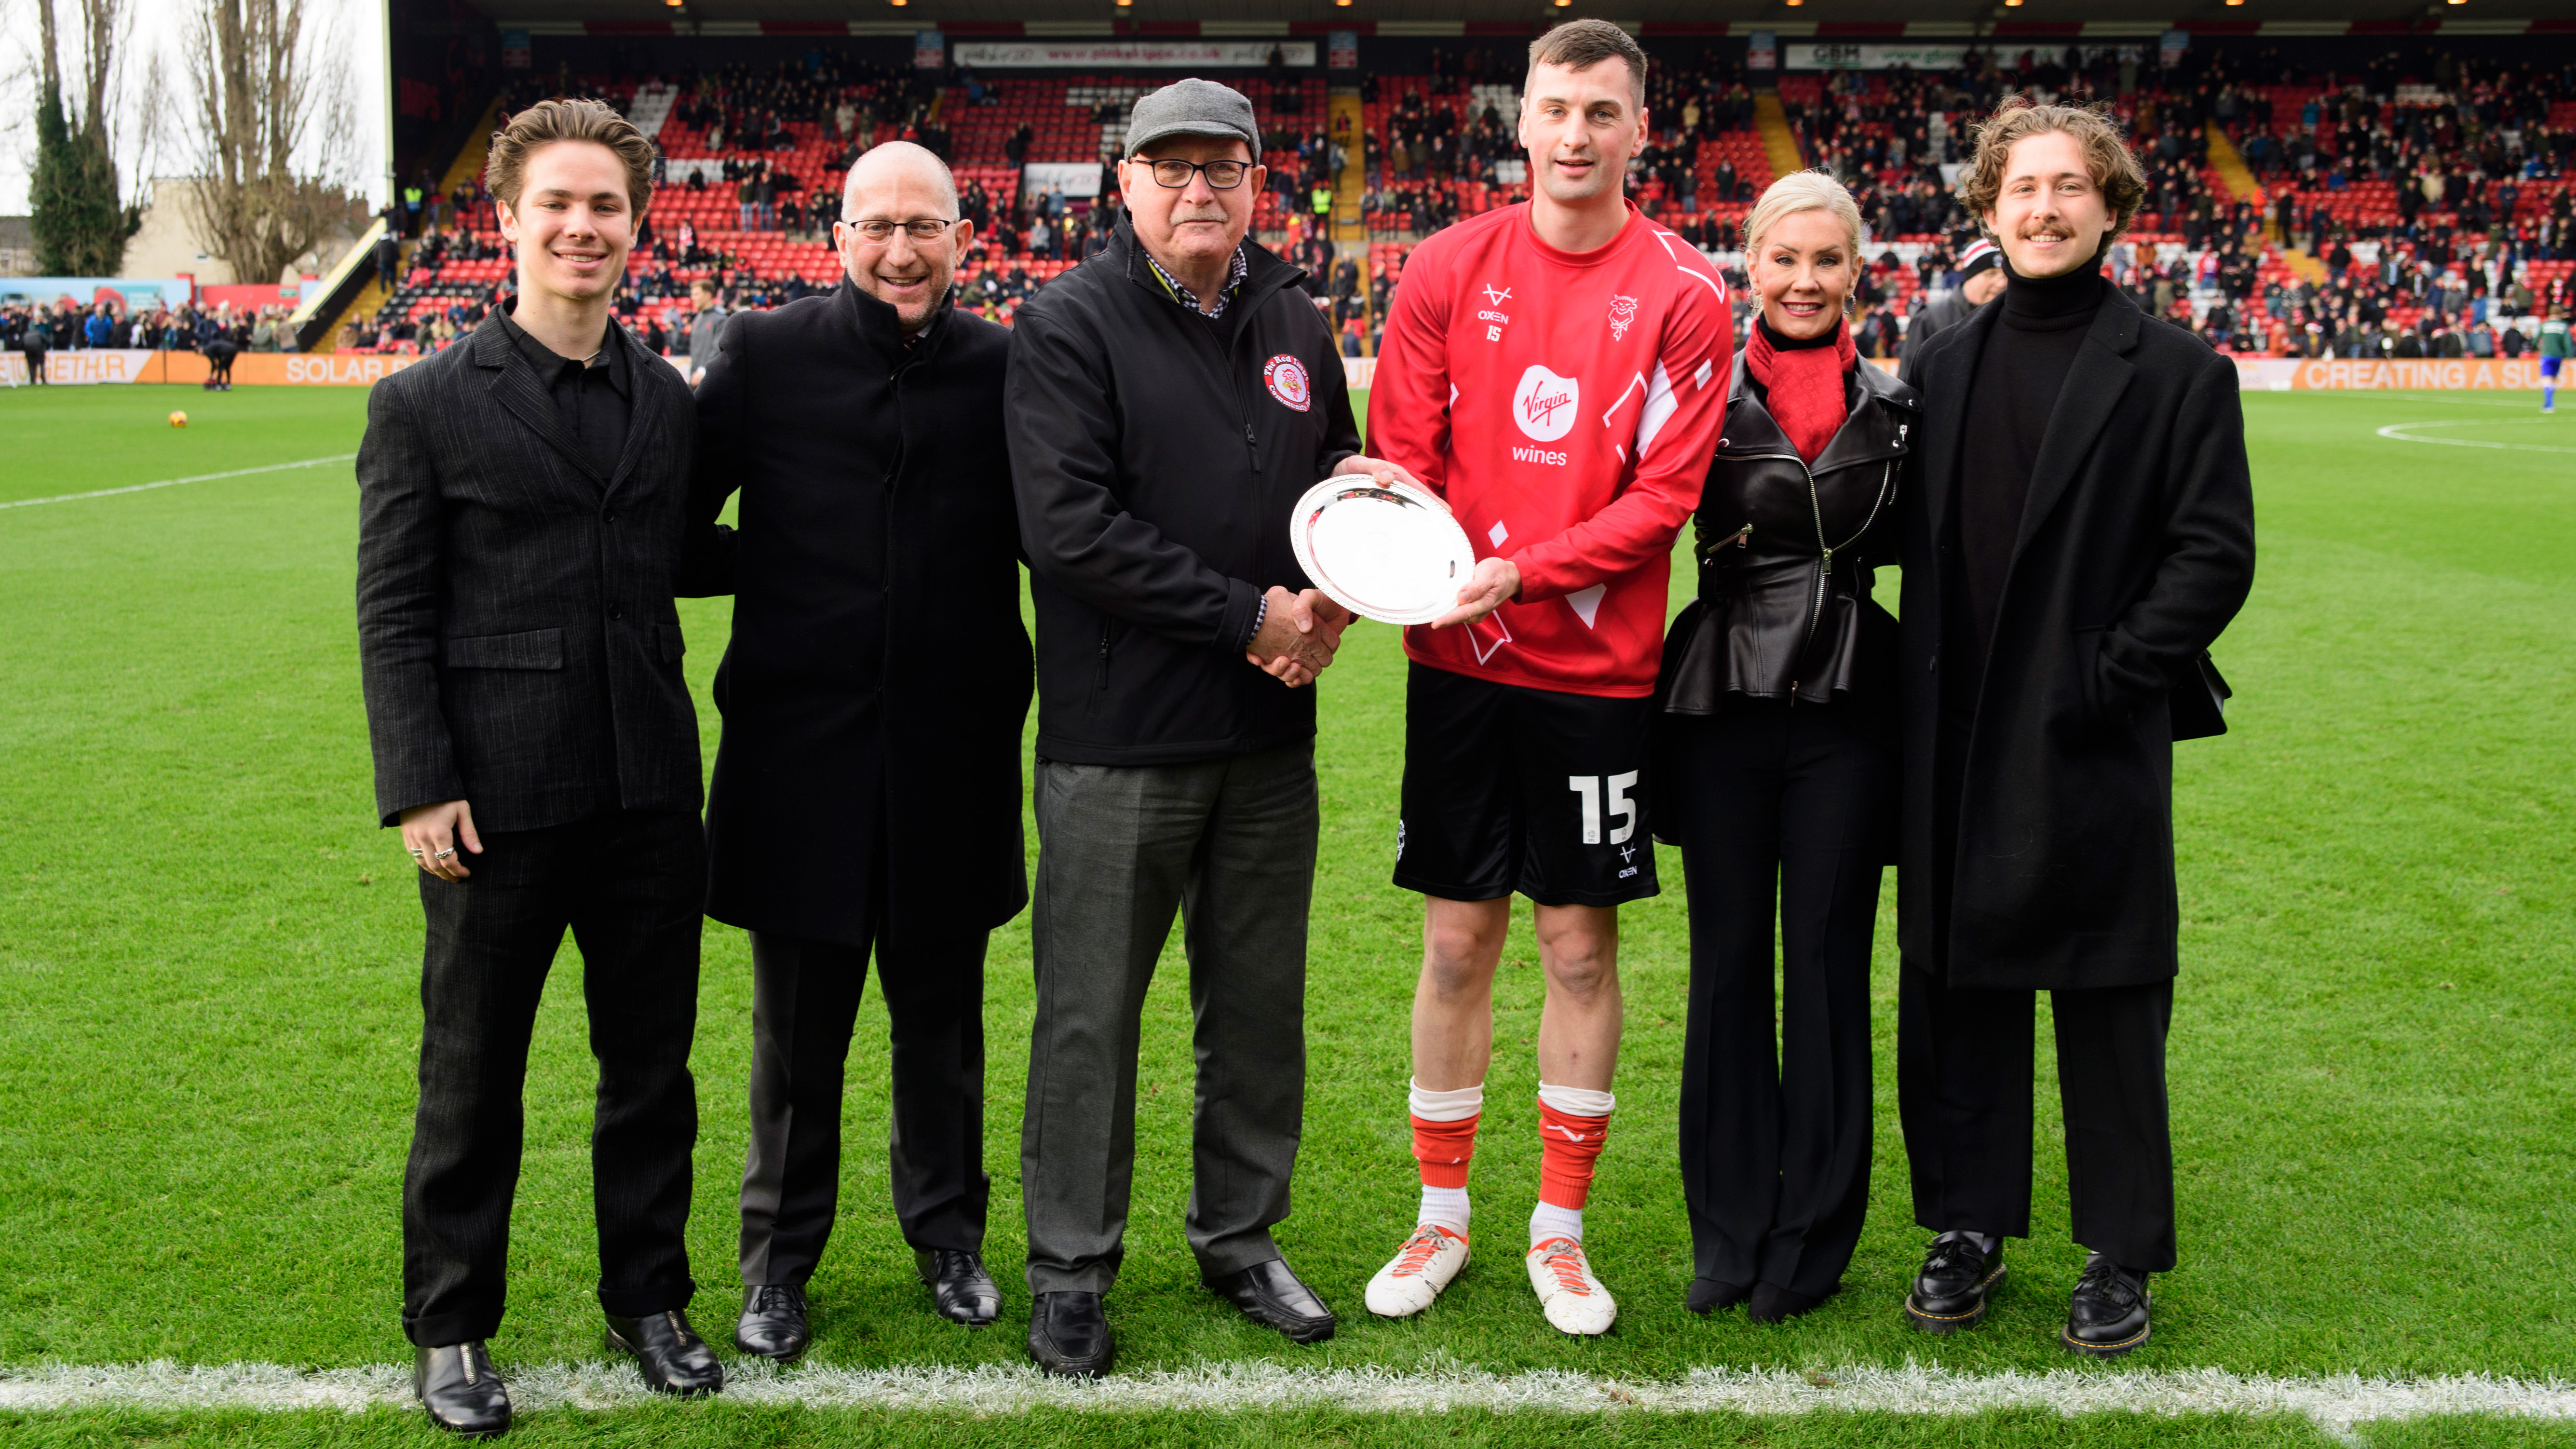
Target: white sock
x=1451, y=1106
x=1578, y=1101
x=1446, y=1206
x=1547, y=1220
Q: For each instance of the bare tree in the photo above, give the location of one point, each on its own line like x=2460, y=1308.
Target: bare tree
x=273, y=132
x=81, y=218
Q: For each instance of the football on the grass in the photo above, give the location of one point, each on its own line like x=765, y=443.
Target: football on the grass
x=178, y=420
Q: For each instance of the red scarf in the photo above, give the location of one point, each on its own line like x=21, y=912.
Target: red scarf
x=1804, y=388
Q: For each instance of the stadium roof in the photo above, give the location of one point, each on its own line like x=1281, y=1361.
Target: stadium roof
x=1843, y=19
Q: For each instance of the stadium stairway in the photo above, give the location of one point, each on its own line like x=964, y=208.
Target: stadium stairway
x=2230, y=165
x=1779, y=143
x=2231, y=168
x=467, y=165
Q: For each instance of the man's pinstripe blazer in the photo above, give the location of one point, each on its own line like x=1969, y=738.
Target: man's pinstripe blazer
x=516, y=629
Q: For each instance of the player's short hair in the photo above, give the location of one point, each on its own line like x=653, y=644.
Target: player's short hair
x=547, y=122
x=1582, y=44
x=1796, y=192
x=2107, y=158
x=703, y=284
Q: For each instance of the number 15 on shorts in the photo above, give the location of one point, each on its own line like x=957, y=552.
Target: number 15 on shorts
x=1598, y=791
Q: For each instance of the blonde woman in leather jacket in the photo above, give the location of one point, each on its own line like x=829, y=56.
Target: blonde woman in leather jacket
x=1776, y=771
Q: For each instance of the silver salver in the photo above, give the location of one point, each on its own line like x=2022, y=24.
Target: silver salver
x=1388, y=552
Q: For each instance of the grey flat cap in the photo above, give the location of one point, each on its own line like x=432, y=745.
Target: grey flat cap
x=1192, y=107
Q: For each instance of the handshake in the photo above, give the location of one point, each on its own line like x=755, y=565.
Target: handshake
x=1297, y=636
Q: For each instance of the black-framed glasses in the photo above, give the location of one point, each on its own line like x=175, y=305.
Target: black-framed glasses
x=1223, y=175
x=920, y=228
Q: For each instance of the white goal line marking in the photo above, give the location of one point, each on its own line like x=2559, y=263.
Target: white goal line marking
x=1256, y=1387
x=175, y=482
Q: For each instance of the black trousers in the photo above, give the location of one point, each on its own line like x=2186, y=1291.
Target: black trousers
x=628, y=886
x=1793, y=807
x=805, y=1004
x=1963, y=1088
x=1963, y=1082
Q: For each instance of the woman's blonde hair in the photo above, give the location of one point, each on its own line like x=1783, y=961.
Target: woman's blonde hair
x=1796, y=192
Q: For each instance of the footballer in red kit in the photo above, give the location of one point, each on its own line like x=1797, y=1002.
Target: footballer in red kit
x=1556, y=372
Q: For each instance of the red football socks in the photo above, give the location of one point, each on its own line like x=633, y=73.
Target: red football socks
x=1444, y=1150
x=1568, y=1147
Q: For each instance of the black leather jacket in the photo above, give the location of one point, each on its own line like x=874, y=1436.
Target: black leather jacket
x=1787, y=554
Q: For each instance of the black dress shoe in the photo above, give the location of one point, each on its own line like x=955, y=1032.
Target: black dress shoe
x=457, y=1386
x=1707, y=1295
x=1069, y=1335
x=1270, y=1295
x=960, y=1290
x=773, y=1322
x=1775, y=1304
x=1951, y=1289
x=2108, y=1315
x=674, y=1359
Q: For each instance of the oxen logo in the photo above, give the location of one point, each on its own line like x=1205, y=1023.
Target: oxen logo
x=1285, y=376
x=1623, y=313
x=1544, y=404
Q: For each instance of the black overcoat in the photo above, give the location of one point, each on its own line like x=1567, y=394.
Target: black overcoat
x=2136, y=548
x=878, y=676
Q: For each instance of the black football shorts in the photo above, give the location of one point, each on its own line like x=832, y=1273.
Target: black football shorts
x=1530, y=790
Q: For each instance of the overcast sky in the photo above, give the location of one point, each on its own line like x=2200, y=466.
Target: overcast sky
x=160, y=25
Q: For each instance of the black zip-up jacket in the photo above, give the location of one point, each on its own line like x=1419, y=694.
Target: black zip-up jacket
x=1156, y=455
x=1786, y=554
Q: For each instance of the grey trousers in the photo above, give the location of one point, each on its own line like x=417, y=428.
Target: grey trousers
x=1231, y=845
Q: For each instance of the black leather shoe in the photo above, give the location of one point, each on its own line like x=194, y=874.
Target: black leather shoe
x=1950, y=1290
x=457, y=1386
x=1775, y=1304
x=1270, y=1295
x=2108, y=1315
x=674, y=1359
x=1707, y=1295
x=960, y=1290
x=1069, y=1335
x=773, y=1322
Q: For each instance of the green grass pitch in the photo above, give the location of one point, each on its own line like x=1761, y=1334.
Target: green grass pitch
x=209, y=956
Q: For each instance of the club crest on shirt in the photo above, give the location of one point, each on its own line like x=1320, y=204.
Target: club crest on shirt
x=1285, y=376
x=1623, y=313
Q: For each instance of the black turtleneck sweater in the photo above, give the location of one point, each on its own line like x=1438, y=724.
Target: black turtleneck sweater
x=2015, y=388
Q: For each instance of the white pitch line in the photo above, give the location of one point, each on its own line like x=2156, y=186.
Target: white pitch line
x=175, y=482
x=2396, y=433
x=1257, y=1387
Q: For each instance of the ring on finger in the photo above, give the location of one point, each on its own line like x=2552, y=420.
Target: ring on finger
x=444, y=854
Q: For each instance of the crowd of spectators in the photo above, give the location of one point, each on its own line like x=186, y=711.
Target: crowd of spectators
x=64, y=325
x=2412, y=207
x=2416, y=193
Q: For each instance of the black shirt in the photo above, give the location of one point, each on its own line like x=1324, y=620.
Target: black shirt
x=2014, y=390
x=592, y=396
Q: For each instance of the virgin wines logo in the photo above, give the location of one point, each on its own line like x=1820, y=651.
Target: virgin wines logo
x=1544, y=404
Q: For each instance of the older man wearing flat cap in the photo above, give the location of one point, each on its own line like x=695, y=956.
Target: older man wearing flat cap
x=1168, y=402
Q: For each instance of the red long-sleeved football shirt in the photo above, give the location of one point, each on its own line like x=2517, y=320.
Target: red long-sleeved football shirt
x=1565, y=406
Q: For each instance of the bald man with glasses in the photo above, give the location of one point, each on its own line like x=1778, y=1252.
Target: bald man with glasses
x=867, y=789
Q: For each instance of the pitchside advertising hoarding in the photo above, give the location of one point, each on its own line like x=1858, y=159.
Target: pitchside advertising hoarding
x=271, y=369
x=2431, y=374
x=353, y=369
